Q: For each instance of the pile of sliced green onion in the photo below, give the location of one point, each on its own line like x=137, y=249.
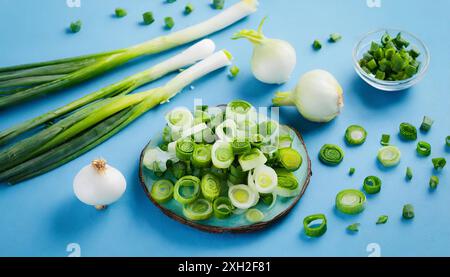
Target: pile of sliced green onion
x=222, y=161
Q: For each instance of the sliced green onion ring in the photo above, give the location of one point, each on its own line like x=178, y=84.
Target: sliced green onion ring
x=210, y=186
x=242, y=196
x=201, y=157
x=290, y=159
x=372, y=184
x=187, y=189
x=423, y=148
x=222, y=207
x=240, y=145
x=200, y=209
x=331, y=154
x=287, y=183
x=257, y=140
x=240, y=111
x=162, y=190
x=252, y=159
x=222, y=154
x=313, y=230
x=227, y=130
x=179, y=119
x=408, y=211
x=254, y=215
x=185, y=149
x=350, y=201
x=389, y=156
x=265, y=179
x=355, y=135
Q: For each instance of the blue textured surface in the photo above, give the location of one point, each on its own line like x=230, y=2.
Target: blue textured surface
x=42, y=216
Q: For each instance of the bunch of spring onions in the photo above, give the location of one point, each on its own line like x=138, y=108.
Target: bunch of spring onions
x=219, y=161
x=85, y=128
x=23, y=82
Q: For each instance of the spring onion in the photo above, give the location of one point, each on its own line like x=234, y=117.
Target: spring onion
x=210, y=187
x=408, y=131
x=162, y=190
x=316, y=45
x=254, y=215
x=408, y=211
x=188, y=9
x=187, y=189
x=427, y=122
x=240, y=146
x=242, y=196
x=423, y=148
x=201, y=157
x=389, y=156
x=75, y=26
x=197, y=52
x=438, y=163
x=382, y=219
x=273, y=60
x=331, y=154
x=248, y=128
x=234, y=71
x=372, y=184
x=169, y=22
x=81, y=131
x=315, y=225
x=287, y=183
x=185, y=149
x=252, y=159
x=223, y=207
x=447, y=141
x=353, y=227
x=317, y=96
x=222, y=154
x=290, y=159
x=265, y=179
x=68, y=72
x=351, y=171
x=218, y=4
x=409, y=173
x=148, y=18
x=350, y=201
x=385, y=138
x=199, y=209
x=355, y=135
x=121, y=12
x=335, y=37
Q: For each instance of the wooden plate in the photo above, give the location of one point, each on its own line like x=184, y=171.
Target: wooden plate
x=237, y=222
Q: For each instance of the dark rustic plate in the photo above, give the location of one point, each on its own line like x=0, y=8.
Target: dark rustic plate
x=236, y=223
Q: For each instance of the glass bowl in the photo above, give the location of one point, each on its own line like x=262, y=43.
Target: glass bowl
x=363, y=46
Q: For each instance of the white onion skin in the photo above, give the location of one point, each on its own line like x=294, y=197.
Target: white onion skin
x=99, y=189
x=273, y=61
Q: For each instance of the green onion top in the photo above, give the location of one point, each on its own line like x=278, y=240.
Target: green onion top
x=162, y=190
x=75, y=26
x=169, y=22
x=355, y=135
x=148, y=18
x=408, y=211
x=408, y=131
x=372, y=184
x=427, y=122
x=316, y=45
x=350, y=201
x=120, y=12
x=331, y=154
x=382, y=219
x=353, y=227
x=438, y=163
x=315, y=225
x=434, y=181
x=187, y=189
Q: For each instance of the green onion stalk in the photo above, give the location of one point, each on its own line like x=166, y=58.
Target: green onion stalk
x=83, y=130
x=24, y=82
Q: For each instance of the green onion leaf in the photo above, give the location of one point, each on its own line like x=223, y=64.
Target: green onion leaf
x=408, y=211
x=382, y=219
x=423, y=148
x=199, y=209
x=313, y=229
x=355, y=135
x=162, y=190
x=426, y=124
x=148, y=18
x=438, y=163
x=389, y=156
x=408, y=131
x=372, y=184
x=350, y=201
x=187, y=189
x=353, y=227
x=331, y=154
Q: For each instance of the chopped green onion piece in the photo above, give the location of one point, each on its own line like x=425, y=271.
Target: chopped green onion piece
x=218, y=4
x=353, y=227
x=241, y=112
x=409, y=173
x=240, y=146
x=148, y=18
x=252, y=159
x=372, y=184
x=331, y=154
x=169, y=22
x=234, y=71
x=311, y=228
x=185, y=149
x=439, y=163
x=242, y=196
x=188, y=9
x=267, y=198
x=210, y=186
x=350, y=201
x=389, y=156
x=290, y=159
x=334, y=37
x=75, y=26
x=408, y=131
x=254, y=215
x=222, y=207
x=201, y=157
x=423, y=148
x=317, y=45
x=237, y=175
x=162, y=190
x=178, y=169
x=200, y=209
x=257, y=140
x=120, y=12
x=408, y=211
x=447, y=141
x=187, y=189
x=355, y=135
x=434, y=181
x=222, y=154
x=264, y=179
x=382, y=219
x=426, y=124
x=287, y=183
x=385, y=138
x=351, y=171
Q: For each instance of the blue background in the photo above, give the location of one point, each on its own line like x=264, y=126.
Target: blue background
x=42, y=216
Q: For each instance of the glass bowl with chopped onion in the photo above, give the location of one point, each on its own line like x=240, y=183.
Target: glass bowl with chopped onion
x=391, y=59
